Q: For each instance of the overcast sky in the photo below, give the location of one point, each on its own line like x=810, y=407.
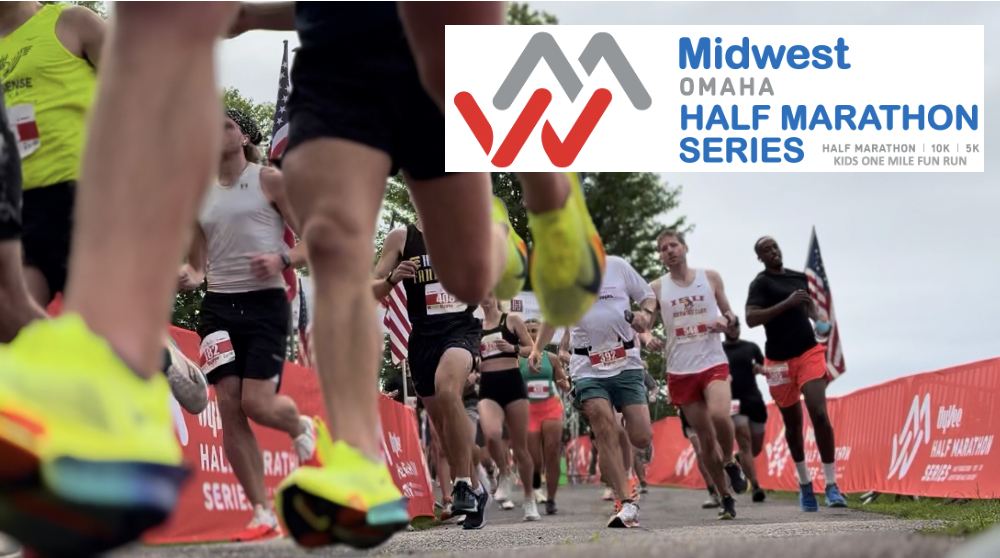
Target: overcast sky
x=912, y=258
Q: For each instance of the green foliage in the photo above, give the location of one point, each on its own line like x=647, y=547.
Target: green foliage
x=520, y=14
x=98, y=8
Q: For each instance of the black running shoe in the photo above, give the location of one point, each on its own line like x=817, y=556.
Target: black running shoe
x=728, y=508
x=758, y=495
x=477, y=518
x=463, y=499
x=550, y=507
x=736, y=477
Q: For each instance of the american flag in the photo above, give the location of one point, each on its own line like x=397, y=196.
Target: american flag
x=279, y=132
x=397, y=321
x=819, y=290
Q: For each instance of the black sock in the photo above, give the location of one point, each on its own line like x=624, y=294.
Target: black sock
x=711, y=490
x=536, y=481
x=627, y=502
x=756, y=485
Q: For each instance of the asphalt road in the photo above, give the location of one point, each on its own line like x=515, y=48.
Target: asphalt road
x=672, y=524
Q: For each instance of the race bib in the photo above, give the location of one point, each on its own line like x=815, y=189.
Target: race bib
x=216, y=350
x=734, y=409
x=22, y=123
x=538, y=389
x=440, y=301
x=777, y=374
x=488, y=346
x=689, y=333
x=608, y=360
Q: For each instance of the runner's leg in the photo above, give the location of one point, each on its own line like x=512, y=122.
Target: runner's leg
x=452, y=422
x=239, y=441
x=609, y=439
x=143, y=230
x=336, y=188
x=264, y=406
x=814, y=393
x=743, y=440
x=552, y=431
x=517, y=422
x=698, y=416
x=17, y=307
x=491, y=417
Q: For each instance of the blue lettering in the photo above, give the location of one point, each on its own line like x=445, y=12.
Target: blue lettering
x=766, y=148
x=689, y=53
x=822, y=55
x=820, y=117
x=845, y=113
x=919, y=117
x=689, y=145
x=711, y=148
x=717, y=118
x=869, y=118
x=697, y=117
x=798, y=57
x=963, y=115
x=889, y=109
x=936, y=109
x=735, y=146
x=795, y=154
x=796, y=120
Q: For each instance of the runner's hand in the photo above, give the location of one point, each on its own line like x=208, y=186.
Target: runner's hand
x=188, y=279
x=505, y=347
x=719, y=326
x=757, y=368
x=266, y=266
x=407, y=269
x=798, y=297
x=535, y=361
x=655, y=344
x=641, y=321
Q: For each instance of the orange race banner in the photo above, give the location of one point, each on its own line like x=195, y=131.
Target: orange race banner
x=928, y=435
x=213, y=505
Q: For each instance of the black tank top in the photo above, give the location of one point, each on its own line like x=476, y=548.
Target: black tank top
x=427, y=303
x=488, y=346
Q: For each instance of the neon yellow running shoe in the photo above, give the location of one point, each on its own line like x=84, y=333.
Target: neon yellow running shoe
x=350, y=499
x=90, y=458
x=516, y=271
x=567, y=260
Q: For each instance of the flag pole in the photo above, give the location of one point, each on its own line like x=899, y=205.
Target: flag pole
x=405, y=394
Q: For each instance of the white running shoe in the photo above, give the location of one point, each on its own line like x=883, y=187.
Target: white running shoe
x=188, y=384
x=531, y=510
x=484, y=479
x=507, y=505
x=627, y=517
x=504, y=488
x=540, y=497
x=608, y=495
x=305, y=443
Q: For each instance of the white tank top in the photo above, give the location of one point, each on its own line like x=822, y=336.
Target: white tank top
x=687, y=313
x=239, y=223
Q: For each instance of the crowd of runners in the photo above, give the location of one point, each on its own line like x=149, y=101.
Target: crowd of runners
x=117, y=155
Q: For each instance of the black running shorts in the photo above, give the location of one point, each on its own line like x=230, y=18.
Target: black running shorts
x=366, y=89
x=10, y=182
x=245, y=335
x=425, y=350
x=48, y=230
x=502, y=386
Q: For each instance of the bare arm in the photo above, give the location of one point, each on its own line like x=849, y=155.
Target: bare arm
x=564, y=354
x=81, y=32
x=720, y=295
x=272, y=182
x=524, y=344
x=192, y=273
x=392, y=253
x=264, y=16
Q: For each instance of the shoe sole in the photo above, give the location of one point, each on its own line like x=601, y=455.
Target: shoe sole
x=70, y=507
x=837, y=505
x=726, y=517
x=314, y=521
x=617, y=523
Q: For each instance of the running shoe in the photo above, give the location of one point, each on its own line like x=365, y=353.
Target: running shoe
x=446, y=509
x=627, y=516
x=305, y=443
x=90, y=458
x=539, y=496
x=834, y=498
x=477, y=518
x=550, y=507
x=807, y=498
x=712, y=502
x=728, y=510
x=504, y=487
x=758, y=495
x=530, y=510
x=633, y=488
x=608, y=494
x=512, y=280
x=263, y=526
x=349, y=499
x=187, y=383
x=736, y=477
x=567, y=259
x=463, y=498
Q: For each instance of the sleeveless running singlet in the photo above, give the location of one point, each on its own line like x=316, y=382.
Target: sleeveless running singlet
x=687, y=313
x=48, y=92
x=488, y=346
x=239, y=223
x=540, y=386
x=428, y=305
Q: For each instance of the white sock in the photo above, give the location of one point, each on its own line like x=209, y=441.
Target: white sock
x=803, y=472
x=830, y=473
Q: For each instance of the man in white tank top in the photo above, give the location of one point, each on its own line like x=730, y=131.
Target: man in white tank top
x=695, y=312
x=245, y=316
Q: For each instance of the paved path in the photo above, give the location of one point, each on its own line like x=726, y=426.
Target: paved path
x=673, y=525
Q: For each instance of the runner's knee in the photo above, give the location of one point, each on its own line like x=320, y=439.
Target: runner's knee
x=641, y=439
x=336, y=239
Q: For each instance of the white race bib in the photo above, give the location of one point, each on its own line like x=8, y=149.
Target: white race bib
x=538, y=389
x=22, y=123
x=777, y=375
x=611, y=359
x=216, y=350
x=488, y=345
x=440, y=301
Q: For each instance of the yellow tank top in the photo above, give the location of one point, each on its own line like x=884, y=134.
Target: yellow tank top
x=47, y=91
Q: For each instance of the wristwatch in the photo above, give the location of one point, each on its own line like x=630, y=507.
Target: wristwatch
x=286, y=260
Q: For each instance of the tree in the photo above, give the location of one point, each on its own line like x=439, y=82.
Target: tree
x=98, y=8
x=519, y=14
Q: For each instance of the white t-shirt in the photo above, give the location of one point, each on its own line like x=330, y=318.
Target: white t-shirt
x=603, y=330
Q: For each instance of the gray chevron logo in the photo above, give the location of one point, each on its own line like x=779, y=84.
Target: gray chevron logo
x=543, y=46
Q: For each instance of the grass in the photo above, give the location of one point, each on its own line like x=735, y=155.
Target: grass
x=423, y=523
x=965, y=518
